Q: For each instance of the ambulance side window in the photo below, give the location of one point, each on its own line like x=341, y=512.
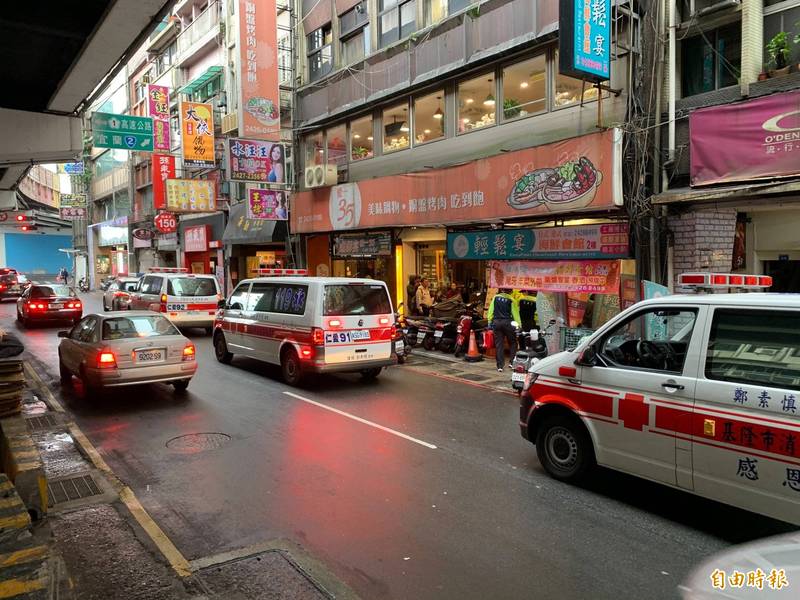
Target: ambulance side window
x=238, y=297
x=655, y=339
x=756, y=347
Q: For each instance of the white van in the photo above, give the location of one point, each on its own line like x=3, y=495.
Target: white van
x=187, y=299
x=308, y=325
x=698, y=392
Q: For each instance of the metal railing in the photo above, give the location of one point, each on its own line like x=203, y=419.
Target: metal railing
x=207, y=21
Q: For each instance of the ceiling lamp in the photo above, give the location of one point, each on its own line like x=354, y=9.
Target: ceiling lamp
x=438, y=114
x=469, y=100
x=356, y=136
x=404, y=127
x=523, y=85
x=489, y=100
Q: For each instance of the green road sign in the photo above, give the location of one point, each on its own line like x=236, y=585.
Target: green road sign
x=123, y=132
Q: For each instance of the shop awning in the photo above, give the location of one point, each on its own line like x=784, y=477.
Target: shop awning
x=726, y=192
x=241, y=230
x=199, y=81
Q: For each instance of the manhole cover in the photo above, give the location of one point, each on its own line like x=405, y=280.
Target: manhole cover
x=197, y=442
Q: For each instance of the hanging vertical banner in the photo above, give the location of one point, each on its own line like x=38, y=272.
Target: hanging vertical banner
x=197, y=129
x=259, y=116
x=584, y=39
x=163, y=169
x=158, y=105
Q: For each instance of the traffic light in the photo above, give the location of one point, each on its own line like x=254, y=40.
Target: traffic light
x=25, y=223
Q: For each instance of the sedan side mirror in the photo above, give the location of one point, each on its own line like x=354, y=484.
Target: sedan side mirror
x=63, y=334
x=588, y=357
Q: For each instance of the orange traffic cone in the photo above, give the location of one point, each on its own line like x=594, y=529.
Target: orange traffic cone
x=472, y=354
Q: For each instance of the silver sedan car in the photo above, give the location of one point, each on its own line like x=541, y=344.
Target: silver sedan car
x=117, y=296
x=125, y=348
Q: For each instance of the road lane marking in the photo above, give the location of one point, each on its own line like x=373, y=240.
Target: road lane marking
x=364, y=421
x=176, y=560
x=51, y=400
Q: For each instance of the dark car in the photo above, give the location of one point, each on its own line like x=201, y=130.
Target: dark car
x=9, y=284
x=49, y=302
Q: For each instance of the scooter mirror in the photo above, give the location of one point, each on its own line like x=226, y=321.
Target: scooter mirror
x=534, y=333
x=515, y=325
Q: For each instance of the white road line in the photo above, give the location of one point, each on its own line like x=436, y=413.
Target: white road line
x=364, y=421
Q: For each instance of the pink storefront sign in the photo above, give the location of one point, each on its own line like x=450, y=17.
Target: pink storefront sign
x=757, y=139
x=587, y=276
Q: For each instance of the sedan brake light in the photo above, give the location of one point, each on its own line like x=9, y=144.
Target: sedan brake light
x=106, y=360
x=188, y=352
x=74, y=305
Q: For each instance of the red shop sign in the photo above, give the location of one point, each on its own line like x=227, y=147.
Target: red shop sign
x=166, y=222
x=195, y=239
x=163, y=169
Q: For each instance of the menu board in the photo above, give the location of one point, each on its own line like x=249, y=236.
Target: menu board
x=362, y=244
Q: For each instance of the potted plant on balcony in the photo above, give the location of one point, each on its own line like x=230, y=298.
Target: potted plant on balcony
x=511, y=108
x=778, y=51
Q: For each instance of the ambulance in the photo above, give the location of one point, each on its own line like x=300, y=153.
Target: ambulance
x=700, y=392
x=308, y=324
x=187, y=299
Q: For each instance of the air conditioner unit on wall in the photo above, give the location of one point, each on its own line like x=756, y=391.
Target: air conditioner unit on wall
x=321, y=176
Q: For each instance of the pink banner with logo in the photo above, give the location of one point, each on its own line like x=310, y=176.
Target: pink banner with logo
x=158, y=105
x=589, y=276
x=757, y=139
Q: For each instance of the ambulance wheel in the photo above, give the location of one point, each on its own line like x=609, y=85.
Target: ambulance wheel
x=221, y=349
x=290, y=367
x=564, y=448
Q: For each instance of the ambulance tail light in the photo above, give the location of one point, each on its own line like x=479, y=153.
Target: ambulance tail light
x=317, y=336
x=306, y=352
x=334, y=323
x=384, y=321
x=163, y=307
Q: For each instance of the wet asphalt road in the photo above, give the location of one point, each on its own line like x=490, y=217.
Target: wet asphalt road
x=474, y=517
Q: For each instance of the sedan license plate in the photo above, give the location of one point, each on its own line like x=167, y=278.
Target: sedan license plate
x=438, y=334
x=399, y=347
x=55, y=306
x=149, y=356
x=346, y=337
x=520, y=377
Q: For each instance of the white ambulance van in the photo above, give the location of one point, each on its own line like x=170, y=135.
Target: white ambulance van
x=308, y=324
x=699, y=392
x=187, y=299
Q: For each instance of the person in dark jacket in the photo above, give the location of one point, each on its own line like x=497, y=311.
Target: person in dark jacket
x=502, y=311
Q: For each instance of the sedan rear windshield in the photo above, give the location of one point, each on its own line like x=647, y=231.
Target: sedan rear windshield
x=46, y=291
x=128, y=286
x=192, y=286
x=121, y=328
x=358, y=299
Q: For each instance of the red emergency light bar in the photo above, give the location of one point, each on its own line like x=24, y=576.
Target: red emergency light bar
x=167, y=270
x=282, y=272
x=723, y=280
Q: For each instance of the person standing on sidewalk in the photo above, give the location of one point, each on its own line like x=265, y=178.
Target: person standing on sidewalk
x=63, y=274
x=502, y=311
x=424, y=298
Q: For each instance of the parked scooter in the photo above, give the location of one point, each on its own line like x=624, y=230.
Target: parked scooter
x=421, y=332
x=401, y=343
x=445, y=334
x=533, y=348
x=83, y=285
x=467, y=323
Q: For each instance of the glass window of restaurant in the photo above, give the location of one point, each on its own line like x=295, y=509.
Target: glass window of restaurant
x=361, y=138
x=396, y=130
x=567, y=90
x=314, y=149
x=336, y=145
x=525, y=88
x=429, y=117
x=476, y=103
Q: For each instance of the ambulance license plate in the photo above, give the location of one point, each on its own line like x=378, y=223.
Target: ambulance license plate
x=346, y=337
x=518, y=377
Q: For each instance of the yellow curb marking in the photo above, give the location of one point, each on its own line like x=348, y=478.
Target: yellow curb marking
x=17, y=587
x=9, y=502
x=176, y=560
x=51, y=400
x=23, y=556
x=17, y=521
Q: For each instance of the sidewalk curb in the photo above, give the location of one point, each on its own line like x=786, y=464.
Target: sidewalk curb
x=22, y=463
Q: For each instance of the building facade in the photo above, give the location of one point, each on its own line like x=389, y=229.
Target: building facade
x=427, y=126
x=728, y=197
